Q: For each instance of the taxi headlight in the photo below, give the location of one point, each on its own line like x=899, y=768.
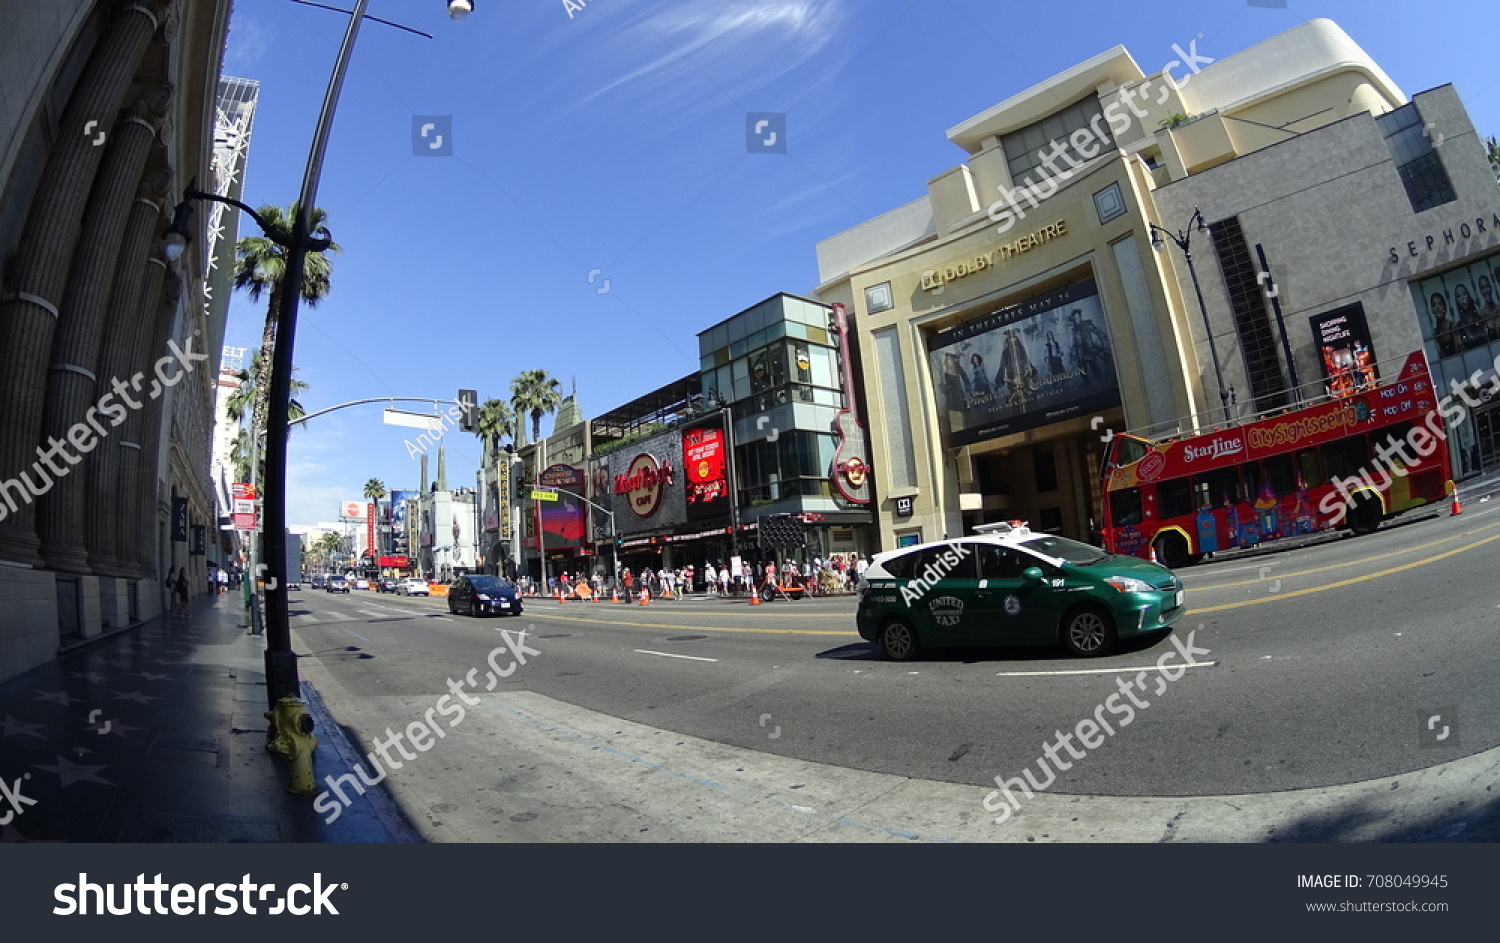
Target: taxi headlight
x=482, y=597
x=1126, y=584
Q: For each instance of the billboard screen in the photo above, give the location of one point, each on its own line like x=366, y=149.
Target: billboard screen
x=563, y=519
x=705, y=473
x=353, y=510
x=1028, y=365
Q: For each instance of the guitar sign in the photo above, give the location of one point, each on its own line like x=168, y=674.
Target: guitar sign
x=851, y=472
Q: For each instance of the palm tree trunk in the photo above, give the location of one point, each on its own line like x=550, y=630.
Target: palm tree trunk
x=263, y=382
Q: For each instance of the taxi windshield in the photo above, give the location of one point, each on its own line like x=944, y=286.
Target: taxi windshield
x=1062, y=548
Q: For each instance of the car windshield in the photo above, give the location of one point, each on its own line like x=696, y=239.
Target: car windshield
x=1062, y=548
x=488, y=583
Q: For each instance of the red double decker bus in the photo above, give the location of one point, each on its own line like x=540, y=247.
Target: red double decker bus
x=1355, y=457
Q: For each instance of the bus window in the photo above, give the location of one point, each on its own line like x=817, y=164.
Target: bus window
x=1253, y=480
x=1310, y=468
x=1130, y=450
x=1217, y=488
x=1174, y=498
x=1395, y=435
x=1346, y=458
x=1125, y=507
x=1279, y=474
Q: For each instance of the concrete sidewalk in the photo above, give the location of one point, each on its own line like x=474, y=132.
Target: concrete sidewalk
x=155, y=734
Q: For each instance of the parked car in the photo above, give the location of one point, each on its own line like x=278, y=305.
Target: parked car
x=481, y=595
x=387, y=584
x=1010, y=586
x=413, y=586
x=338, y=585
x=361, y=584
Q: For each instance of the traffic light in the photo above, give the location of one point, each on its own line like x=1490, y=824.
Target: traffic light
x=523, y=490
x=468, y=404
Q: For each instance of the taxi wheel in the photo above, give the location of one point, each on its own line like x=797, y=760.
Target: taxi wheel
x=1171, y=551
x=898, y=640
x=1088, y=631
x=452, y=611
x=474, y=609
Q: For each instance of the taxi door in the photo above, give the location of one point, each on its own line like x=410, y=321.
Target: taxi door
x=1012, y=608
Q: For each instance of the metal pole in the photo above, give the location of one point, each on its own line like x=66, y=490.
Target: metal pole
x=1286, y=345
x=1207, y=330
x=281, y=662
x=734, y=513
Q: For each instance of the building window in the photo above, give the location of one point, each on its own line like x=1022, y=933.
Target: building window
x=1109, y=203
x=1417, y=163
x=1268, y=384
x=891, y=388
x=1026, y=148
x=878, y=298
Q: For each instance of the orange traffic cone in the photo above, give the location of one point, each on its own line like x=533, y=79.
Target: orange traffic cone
x=754, y=596
x=1458, y=507
x=1153, y=555
x=645, y=596
x=614, y=595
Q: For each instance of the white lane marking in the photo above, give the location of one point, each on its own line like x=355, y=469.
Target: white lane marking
x=1106, y=671
x=670, y=655
x=440, y=618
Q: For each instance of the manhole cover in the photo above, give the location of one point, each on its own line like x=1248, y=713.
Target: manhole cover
x=686, y=638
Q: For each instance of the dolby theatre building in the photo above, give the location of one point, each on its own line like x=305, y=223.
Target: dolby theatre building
x=1018, y=311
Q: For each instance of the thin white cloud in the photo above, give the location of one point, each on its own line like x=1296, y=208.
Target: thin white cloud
x=249, y=42
x=758, y=40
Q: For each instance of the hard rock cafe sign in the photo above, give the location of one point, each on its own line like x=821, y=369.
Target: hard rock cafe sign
x=644, y=483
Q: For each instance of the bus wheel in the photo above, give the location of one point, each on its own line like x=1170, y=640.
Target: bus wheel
x=1364, y=517
x=1171, y=550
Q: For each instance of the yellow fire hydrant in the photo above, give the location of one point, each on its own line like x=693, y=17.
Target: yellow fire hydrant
x=293, y=738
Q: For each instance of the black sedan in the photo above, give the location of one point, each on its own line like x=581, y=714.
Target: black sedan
x=386, y=584
x=480, y=595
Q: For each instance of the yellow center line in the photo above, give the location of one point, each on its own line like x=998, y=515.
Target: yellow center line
x=703, y=628
x=1349, y=582
x=1335, y=566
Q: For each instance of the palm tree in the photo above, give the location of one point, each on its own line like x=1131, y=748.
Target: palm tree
x=375, y=491
x=496, y=420
x=252, y=382
x=534, y=393
x=261, y=266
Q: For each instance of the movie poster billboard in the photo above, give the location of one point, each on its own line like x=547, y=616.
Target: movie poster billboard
x=706, y=475
x=1024, y=366
x=563, y=519
x=401, y=530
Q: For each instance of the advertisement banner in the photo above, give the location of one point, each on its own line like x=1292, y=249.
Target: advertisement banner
x=563, y=519
x=1024, y=366
x=199, y=545
x=353, y=510
x=703, y=467
x=401, y=519
x=179, y=520
x=1345, y=349
x=370, y=527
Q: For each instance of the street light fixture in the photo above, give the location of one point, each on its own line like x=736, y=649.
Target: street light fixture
x=1184, y=240
x=281, y=662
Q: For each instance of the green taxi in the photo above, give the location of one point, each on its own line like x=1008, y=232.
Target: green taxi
x=1007, y=585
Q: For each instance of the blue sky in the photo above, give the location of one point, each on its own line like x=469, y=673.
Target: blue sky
x=613, y=139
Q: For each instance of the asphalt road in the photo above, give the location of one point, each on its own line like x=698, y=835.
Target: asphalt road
x=1323, y=665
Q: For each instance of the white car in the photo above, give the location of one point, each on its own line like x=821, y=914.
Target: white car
x=413, y=587
x=361, y=584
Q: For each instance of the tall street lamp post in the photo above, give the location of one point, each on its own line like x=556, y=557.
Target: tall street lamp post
x=1183, y=240
x=281, y=661
x=717, y=399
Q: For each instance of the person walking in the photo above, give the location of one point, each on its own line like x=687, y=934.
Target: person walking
x=180, y=593
x=710, y=579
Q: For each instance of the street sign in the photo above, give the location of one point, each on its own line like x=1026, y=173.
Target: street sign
x=544, y=495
